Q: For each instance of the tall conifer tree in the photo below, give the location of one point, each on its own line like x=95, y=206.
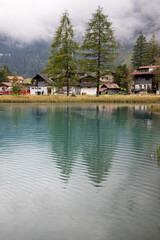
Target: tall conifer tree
x=99, y=45
x=62, y=62
x=139, y=56
x=153, y=50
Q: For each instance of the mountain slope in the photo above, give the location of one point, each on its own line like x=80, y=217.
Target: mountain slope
x=29, y=59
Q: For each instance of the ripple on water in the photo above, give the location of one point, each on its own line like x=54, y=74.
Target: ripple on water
x=72, y=175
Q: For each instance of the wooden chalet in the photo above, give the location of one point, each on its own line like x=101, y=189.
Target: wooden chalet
x=144, y=79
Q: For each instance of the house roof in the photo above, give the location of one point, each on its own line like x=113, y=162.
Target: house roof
x=19, y=77
x=110, y=86
x=27, y=81
x=6, y=84
x=44, y=76
x=102, y=89
x=153, y=69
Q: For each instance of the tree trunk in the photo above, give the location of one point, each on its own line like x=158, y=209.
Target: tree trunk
x=98, y=80
x=67, y=79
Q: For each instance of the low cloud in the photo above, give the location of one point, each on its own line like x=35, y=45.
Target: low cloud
x=28, y=20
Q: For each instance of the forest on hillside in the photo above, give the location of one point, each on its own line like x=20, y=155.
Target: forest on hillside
x=29, y=59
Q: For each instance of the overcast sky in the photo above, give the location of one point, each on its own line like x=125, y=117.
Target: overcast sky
x=29, y=20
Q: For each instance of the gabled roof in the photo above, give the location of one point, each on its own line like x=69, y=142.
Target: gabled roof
x=7, y=84
x=102, y=89
x=110, y=86
x=44, y=76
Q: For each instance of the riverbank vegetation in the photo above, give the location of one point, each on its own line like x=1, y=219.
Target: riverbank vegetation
x=133, y=99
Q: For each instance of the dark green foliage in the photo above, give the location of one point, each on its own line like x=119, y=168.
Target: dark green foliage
x=8, y=70
x=3, y=75
x=16, y=87
x=99, y=45
x=145, y=53
x=153, y=50
x=139, y=56
x=62, y=63
x=121, y=76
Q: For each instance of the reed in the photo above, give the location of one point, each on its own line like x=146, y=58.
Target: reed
x=133, y=99
x=157, y=153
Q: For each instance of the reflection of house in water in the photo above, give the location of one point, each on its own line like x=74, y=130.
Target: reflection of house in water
x=141, y=112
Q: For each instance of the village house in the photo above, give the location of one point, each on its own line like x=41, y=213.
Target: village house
x=4, y=86
x=41, y=85
x=20, y=78
x=87, y=85
x=109, y=88
x=143, y=79
x=107, y=78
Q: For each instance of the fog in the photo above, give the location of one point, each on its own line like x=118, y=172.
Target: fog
x=29, y=20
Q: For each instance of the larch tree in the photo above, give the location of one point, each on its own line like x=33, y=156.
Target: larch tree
x=139, y=55
x=62, y=63
x=99, y=45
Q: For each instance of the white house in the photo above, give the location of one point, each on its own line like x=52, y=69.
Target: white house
x=41, y=85
x=87, y=85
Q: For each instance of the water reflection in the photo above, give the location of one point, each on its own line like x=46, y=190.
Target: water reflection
x=78, y=171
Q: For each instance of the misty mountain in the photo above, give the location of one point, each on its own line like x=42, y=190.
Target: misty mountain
x=29, y=59
x=24, y=59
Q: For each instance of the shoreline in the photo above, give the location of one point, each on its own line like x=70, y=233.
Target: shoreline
x=129, y=99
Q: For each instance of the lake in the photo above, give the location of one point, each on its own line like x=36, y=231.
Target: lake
x=79, y=171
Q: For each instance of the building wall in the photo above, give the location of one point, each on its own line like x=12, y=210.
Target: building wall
x=143, y=81
x=143, y=86
x=88, y=91
x=38, y=91
x=72, y=90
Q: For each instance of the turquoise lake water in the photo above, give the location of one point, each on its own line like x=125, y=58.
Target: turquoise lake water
x=81, y=172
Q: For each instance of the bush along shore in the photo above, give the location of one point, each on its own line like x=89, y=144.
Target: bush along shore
x=133, y=99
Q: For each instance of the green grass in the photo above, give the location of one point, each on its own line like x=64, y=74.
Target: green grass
x=133, y=99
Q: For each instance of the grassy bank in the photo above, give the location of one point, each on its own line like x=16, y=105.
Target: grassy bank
x=146, y=99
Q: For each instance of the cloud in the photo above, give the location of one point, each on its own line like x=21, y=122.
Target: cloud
x=28, y=20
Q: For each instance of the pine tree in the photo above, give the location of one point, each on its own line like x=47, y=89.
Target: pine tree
x=139, y=56
x=62, y=62
x=99, y=44
x=153, y=50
